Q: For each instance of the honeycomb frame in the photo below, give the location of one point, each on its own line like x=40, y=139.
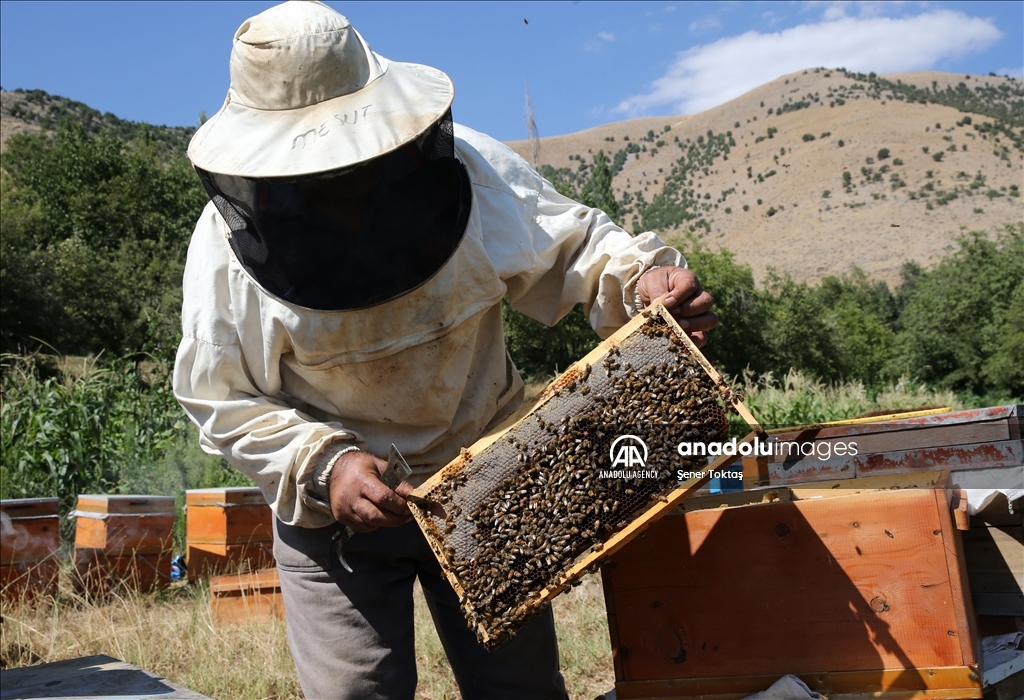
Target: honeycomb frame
x=480, y=470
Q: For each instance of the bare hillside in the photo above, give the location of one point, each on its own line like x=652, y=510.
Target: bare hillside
x=765, y=174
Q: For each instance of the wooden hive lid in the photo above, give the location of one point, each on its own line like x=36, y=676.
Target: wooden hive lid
x=125, y=504
x=913, y=420
x=30, y=507
x=231, y=495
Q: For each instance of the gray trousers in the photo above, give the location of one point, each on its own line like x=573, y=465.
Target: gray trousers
x=351, y=635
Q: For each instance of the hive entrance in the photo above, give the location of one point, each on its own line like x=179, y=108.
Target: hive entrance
x=521, y=510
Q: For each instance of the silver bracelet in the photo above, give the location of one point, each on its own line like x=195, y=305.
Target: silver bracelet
x=638, y=304
x=323, y=479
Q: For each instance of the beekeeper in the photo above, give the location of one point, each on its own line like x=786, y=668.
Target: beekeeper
x=343, y=292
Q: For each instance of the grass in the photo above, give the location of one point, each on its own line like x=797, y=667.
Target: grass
x=171, y=633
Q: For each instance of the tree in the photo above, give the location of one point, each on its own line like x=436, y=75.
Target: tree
x=737, y=342
x=94, y=232
x=860, y=313
x=960, y=326
x=794, y=334
x=103, y=189
x=598, y=191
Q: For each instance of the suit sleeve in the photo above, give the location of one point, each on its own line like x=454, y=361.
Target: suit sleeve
x=277, y=446
x=553, y=252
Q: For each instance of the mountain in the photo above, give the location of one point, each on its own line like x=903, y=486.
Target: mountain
x=33, y=111
x=928, y=155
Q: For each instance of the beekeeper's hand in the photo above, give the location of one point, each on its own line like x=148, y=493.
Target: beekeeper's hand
x=683, y=296
x=358, y=497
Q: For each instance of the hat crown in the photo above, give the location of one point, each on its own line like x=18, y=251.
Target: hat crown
x=298, y=54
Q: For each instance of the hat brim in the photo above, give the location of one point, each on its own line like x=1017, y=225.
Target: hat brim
x=391, y=111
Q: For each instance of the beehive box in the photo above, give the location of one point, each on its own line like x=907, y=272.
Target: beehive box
x=29, y=542
x=123, y=540
x=858, y=594
x=227, y=529
x=244, y=597
x=994, y=549
x=525, y=511
x=982, y=438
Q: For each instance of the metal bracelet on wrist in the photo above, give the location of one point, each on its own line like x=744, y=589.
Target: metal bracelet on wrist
x=638, y=304
x=323, y=479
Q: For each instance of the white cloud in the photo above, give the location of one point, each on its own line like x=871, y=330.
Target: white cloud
x=865, y=8
x=1017, y=72
x=708, y=75
x=668, y=9
x=834, y=12
x=707, y=24
x=598, y=43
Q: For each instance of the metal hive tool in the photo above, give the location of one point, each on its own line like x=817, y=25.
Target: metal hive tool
x=527, y=510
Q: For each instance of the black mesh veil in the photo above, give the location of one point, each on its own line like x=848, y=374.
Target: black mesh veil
x=353, y=238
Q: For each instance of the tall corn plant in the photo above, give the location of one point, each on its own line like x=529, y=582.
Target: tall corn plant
x=79, y=432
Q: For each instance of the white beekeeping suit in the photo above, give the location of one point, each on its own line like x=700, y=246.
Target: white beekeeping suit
x=273, y=386
x=342, y=293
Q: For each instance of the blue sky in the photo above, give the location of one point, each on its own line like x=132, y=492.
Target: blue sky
x=586, y=63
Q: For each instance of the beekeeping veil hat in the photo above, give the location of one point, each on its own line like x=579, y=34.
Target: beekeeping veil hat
x=334, y=168
x=308, y=95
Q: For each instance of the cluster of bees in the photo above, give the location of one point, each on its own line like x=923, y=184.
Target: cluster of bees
x=534, y=524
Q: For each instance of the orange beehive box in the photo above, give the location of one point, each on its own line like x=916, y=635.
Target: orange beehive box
x=857, y=595
x=99, y=573
x=124, y=524
x=249, y=596
x=227, y=529
x=29, y=542
x=123, y=540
